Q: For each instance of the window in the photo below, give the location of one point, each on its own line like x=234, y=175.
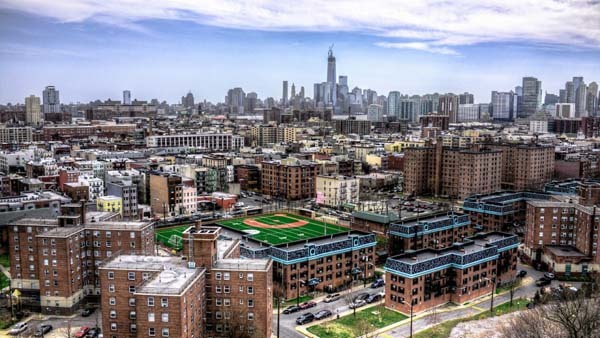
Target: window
x=218, y=289
x=131, y=275
x=165, y=332
x=226, y=289
x=111, y=288
x=151, y=332
x=133, y=328
x=218, y=276
x=164, y=302
x=241, y=275
x=250, y=277
x=218, y=301
x=226, y=302
x=113, y=326
x=151, y=316
x=132, y=288
x=150, y=301
x=132, y=315
x=164, y=317
x=113, y=314
x=112, y=301
x=218, y=315
x=250, y=290
x=250, y=302
x=111, y=275
x=226, y=276
x=131, y=301
x=250, y=316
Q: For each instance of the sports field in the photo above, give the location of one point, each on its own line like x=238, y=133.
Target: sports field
x=278, y=228
x=171, y=237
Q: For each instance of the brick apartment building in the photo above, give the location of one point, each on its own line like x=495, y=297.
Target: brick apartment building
x=441, y=171
x=248, y=176
x=461, y=272
x=290, y=178
x=166, y=193
x=484, y=169
x=152, y=296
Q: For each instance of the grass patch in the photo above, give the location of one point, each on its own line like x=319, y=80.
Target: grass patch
x=289, y=302
x=349, y=326
x=275, y=236
x=4, y=281
x=507, y=287
x=163, y=236
x=443, y=330
x=5, y=261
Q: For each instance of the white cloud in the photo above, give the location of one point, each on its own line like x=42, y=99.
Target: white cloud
x=430, y=25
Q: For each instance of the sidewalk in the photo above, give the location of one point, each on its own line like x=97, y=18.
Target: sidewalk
x=322, y=295
x=422, y=321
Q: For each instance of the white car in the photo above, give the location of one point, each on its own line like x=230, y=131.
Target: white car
x=18, y=328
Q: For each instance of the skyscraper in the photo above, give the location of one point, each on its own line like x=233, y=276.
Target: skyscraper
x=126, y=97
x=592, y=99
x=301, y=94
x=580, y=91
x=284, y=97
x=187, y=101
x=51, y=100
x=293, y=91
x=236, y=99
x=448, y=106
x=394, y=104
x=33, y=113
x=331, y=77
x=503, y=106
x=532, y=96
x=466, y=98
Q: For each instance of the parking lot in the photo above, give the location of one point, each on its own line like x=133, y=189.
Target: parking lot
x=60, y=324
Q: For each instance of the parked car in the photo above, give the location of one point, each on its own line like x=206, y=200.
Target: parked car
x=307, y=305
x=18, y=328
x=357, y=303
x=332, y=297
x=373, y=298
x=378, y=283
x=82, y=332
x=87, y=312
x=93, y=332
x=323, y=314
x=549, y=275
x=522, y=274
x=291, y=309
x=42, y=330
x=361, y=296
x=305, y=318
x=543, y=282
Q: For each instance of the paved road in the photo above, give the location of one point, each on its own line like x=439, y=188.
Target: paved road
x=60, y=324
x=288, y=324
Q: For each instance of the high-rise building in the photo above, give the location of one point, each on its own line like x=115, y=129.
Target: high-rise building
x=251, y=102
x=503, y=106
x=580, y=91
x=565, y=110
x=448, y=106
x=591, y=104
x=468, y=112
x=301, y=94
x=570, y=92
x=532, y=96
x=236, y=99
x=551, y=99
x=187, y=101
x=284, y=95
x=331, y=77
x=293, y=91
x=394, y=104
x=33, y=113
x=466, y=98
x=126, y=97
x=375, y=113
x=51, y=100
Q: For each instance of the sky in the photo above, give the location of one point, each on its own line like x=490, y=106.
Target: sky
x=95, y=49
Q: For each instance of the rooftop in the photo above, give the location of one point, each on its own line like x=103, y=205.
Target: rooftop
x=243, y=264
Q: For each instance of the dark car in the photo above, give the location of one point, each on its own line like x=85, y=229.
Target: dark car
x=373, y=298
x=377, y=283
x=361, y=296
x=87, y=312
x=522, y=274
x=42, y=330
x=93, y=332
x=305, y=318
x=543, y=282
x=323, y=314
x=291, y=309
x=307, y=305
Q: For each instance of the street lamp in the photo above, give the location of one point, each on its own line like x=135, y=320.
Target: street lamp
x=493, y=281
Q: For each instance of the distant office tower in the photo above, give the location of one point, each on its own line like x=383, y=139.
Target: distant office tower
x=251, y=102
x=466, y=98
x=235, y=100
x=301, y=94
x=51, y=100
x=331, y=77
x=409, y=109
x=566, y=110
x=532, y=96
x=343, y=80
x=468, y=112
x=317, y=93
x=394, y=104
x=126, y=97
x=188, y=100
x=551, y=99
x=562, y=96
x=591, y=104
x=580, y=91
x=518, y=100
x=284, y=96
x=293, y=94
x=33, y=113
x=375, y=113
x=503, y=106
x=570, y=89
x=448, y=106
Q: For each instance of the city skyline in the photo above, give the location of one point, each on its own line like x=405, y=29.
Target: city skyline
x=96, y=53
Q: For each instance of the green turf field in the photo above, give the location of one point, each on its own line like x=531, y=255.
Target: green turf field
x=276, y=236
x=163, y=236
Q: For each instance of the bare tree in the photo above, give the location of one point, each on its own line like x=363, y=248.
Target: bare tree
x=66, y=330
x=350, y=302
